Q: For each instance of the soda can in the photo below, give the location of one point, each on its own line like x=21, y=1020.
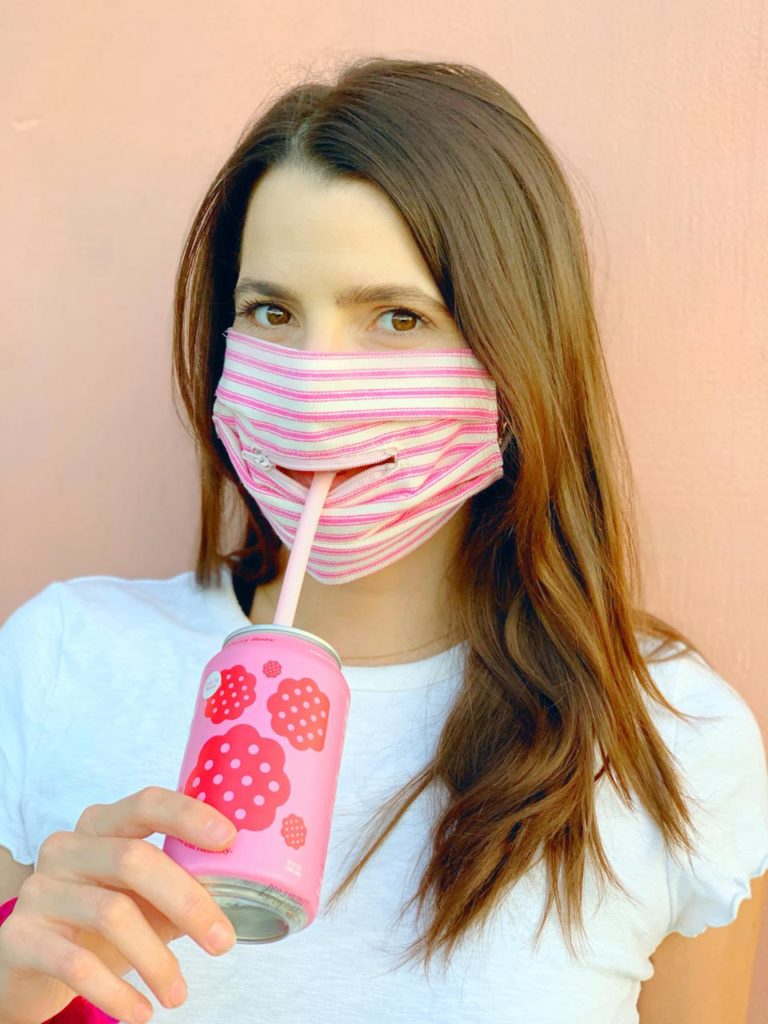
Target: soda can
x=265, y=748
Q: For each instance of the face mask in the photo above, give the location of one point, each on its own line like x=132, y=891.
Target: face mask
x=428, y=421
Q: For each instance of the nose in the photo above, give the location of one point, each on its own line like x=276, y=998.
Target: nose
x=327, y=329
x=327, y=339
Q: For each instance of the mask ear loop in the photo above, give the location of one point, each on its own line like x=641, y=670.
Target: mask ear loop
x=505, y=435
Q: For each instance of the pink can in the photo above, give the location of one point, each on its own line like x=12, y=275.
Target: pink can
x=265, y=749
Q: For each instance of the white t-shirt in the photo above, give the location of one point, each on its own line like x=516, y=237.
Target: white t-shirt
x=98, y=676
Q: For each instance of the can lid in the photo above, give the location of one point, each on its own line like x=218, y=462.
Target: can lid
x=271, y=628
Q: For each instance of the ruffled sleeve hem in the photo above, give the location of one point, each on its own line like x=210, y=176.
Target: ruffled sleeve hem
x=721, y=907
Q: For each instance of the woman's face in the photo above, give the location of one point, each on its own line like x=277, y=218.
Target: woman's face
x=307, y=245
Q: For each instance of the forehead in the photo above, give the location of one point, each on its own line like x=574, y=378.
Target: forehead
x=298, y=223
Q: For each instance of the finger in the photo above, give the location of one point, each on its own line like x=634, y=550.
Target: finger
x=141, y=867
x=47, y=953
x=155, y=809
x=115, y=916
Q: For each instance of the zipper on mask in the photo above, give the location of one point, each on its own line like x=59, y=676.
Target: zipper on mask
x=256, y=456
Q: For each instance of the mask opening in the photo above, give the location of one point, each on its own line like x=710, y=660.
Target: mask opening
x=341, y=477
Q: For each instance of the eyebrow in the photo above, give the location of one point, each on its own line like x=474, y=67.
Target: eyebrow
x=357, y=294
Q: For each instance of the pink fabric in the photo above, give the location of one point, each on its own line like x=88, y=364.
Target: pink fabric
x=421, y=425
x=79, y=1011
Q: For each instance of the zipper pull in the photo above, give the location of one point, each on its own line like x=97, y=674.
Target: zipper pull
x=258, y=458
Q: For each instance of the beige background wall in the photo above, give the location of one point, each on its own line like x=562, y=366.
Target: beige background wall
x=115, y=115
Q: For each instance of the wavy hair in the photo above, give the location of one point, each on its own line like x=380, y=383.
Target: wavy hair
x=547, y=586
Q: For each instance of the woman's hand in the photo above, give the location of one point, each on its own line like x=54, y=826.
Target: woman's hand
x=103, y=901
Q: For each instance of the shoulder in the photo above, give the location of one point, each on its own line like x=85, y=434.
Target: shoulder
x=721, y=717
x=719, y=747
x=85, y=603
x=75, y=627
x=103, y=593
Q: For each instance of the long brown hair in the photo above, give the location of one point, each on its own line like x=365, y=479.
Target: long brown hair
x=547, y=585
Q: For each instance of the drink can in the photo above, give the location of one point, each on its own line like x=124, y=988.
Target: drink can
x=265, y=749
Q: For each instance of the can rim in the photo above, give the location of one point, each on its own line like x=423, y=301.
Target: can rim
x=272, y=628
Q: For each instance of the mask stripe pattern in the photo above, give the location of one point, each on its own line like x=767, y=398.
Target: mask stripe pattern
x=427, y=419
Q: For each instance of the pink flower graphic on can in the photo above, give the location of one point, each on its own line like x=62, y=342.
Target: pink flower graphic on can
x=299, y=711
x=272, y=669
x=240, y=773
x=294, y=831
x=228, y=693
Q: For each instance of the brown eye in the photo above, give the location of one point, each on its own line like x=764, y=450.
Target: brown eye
x=283, y=312
x=249, y=309
x=402, y=317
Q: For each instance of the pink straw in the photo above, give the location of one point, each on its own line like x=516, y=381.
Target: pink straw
x=299, y=556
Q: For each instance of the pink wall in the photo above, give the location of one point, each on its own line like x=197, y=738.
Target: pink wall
x=115, y=117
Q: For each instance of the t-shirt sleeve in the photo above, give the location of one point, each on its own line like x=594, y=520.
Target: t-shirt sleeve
x=30, y=645
x=723, y=768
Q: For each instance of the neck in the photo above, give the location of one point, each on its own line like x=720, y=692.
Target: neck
x=399, y=614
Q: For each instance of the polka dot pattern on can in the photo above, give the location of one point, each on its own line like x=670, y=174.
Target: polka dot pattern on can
x=294, y=831
x=236, y=691
x=242, y=775
x=299, y=710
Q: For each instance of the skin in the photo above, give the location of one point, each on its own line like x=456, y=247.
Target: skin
x=315, y=238
x=101, y=899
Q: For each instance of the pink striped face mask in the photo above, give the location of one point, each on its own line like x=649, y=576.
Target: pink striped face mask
x=413, y=434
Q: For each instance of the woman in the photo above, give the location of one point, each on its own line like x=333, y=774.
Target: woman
x=520, y=731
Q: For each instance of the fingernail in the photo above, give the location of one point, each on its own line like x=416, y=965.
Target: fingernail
x=220, y=831
x=142, y=1013
x=177, y=993
x=220, y=937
